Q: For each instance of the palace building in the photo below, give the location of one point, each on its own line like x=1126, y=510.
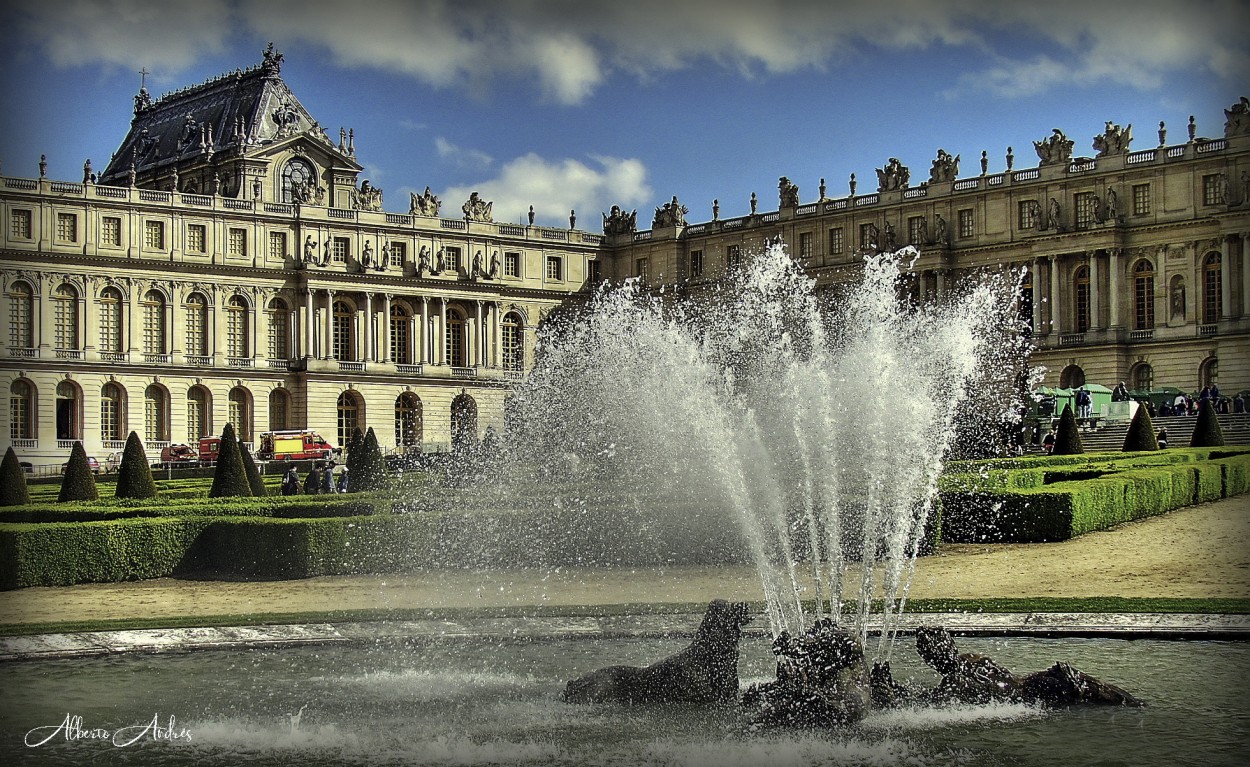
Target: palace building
x=230, y=265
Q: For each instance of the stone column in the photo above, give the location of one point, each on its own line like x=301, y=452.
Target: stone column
x=45, y=329
x=257, y=312
x=133, y=317
x=1056, y=313
x=478, y=358
x=1035, y=279
x=1095, y=289
x=368, y=355
x=1113, y=288
x=497, y=328
x=217, y=328
x=175, y=328
x=89, y=320
x=384, y=330
x=327, y=351
x=1226, y=278
x=440, y=338
x=423, y=331
x=310, y=319
x=939, y=283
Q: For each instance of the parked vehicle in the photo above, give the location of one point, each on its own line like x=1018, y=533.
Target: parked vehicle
x=114, y=462
x=209, y=448
x=92, y=463
x=176, y=456
x=294, y=445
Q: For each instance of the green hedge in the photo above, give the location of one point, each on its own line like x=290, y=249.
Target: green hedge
x=269, y=506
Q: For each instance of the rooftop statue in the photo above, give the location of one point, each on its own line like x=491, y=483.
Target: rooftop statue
x=620, y=222
x=368, y=197
x=893, y=176
x=1237, y=119
x=672, y=213
x=477, y=209
x=789, y=193
x=1114, y=140
x=945, y=167
x=1055, y=149
x=425, y=205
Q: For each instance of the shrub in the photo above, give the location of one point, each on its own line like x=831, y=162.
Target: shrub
x=13, y=491
x=1141, y=433
x=354, y=451
x=370, y=470
x=134, y=476
x=1068, y=439
x=78, y=484
x=254, y=480
x=229, y=477
x=1207, y=432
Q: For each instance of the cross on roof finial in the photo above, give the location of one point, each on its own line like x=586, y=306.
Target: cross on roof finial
x=143, y=78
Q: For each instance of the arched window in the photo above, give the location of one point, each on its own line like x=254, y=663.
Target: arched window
x=154, y=335
x=1143, y=295
x=199, y=414
x=511, y=343
x=1209, y=372
x=1080, y=298
x=279, y=330
x=21, y=316
x=1143, y=377
x=463, y=422
x=344, y=337
x=68, y=411
x=455, y=339
x=1212, y=300
x=240, y=412
x=1072, y=377
x=155, y=414
x=350, y=415
x=65, y=317
x=196, y=311
x=400, y=342
x=22, y=410
x=1025, y=305
x=238, y=339
x=279, y=409
x=408, y=420
x=296, y=172
x=112, y=412
x=111, y=322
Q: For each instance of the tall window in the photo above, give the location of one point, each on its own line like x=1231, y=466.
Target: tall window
x=198, y=412
x=1212, y=302
x=20, y=224
x=836, y=244
x=400, y=342
x=111, y=231
x=279, y=341
x=555, y=268
x=452, y=259
x=344, y=319
x=277, y=246
x=640, y=269
x=239, y=412
x=196, y=311
x=279, y=409
x=21, y=315
x=236, y=242
x=511, y=341
x=463, y=422
x=112, y=400
x=154, y=235
x=65, y=316
x=340, y=248
x=915, y=230
x=455, y=339
x=1143, y=377
x=1141, y=199
x=1209, y=372
x=733, y=256
x=197, y=238
x=408, y=421
x=1143, y=295
x=21, y=410
x=805, y=246
x=111, y=321
x=399, y=251
x=1212, y=189
x=1080, y=298
x=696, y=263
x=68, y=411
x=154, y=323
x=1027, y=214
x=348, y=415
x=155, y=414
x=967, y=224
x=296, y=173
x=867, y=236
x=512, y=264
x=1084, y=210
x=66, y=227
x=236, y=327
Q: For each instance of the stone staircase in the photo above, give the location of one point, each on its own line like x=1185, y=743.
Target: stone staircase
x=1236, y=428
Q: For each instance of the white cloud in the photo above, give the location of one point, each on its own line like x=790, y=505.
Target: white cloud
x=465, y=158
x=554, y=187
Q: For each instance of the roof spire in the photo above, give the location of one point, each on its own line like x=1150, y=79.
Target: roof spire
x=143, y=99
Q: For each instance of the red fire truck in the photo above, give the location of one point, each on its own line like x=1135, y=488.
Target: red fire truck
x=295, y=445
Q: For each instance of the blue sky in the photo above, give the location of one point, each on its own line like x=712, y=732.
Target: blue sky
x=582, y=105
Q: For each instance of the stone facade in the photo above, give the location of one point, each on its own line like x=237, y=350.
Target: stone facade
x=228, y=266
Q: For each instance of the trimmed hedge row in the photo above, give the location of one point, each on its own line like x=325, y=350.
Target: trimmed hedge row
x=1055, y=512
x=269, y=506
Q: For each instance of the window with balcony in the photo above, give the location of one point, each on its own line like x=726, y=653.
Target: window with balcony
x=65, y=317
x=154, y=324
x=196, y=314
x=1143, y=295
x=400, y=321
x=510, y=340
x=21, y=315
x=111, y=312
x=343, y=336
x=237, y=336
x=1212, y=298
x=21, y=410
x=1080, y=299
x=279, y=330
x=455, y=340
x=112, y=402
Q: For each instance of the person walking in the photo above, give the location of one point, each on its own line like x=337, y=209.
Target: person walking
x=1162, y=439
x=290, y=482
x=313, y=482
x=342, y=483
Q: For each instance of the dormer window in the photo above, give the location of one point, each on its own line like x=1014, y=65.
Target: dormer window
x=298, y=174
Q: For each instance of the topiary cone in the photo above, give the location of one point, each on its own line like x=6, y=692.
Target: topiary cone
x=78, y=484
x=134, y=476
x=229, y=476
x=254, y=480
x=1141, y=432
x=1068, y=438
x=13, y=491
x=371, y=464
x=1207, y=432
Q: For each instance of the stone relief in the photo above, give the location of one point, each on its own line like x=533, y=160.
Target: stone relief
x=672, y=213
x=893, y=176
x=425, y=205
x=788, y=192
x=477, y=209
x=1055, y=149
x=945, y=167
x=305, y=193
x=1114, y=140
x=620, y=222
x=367, y=197
x=286, y=120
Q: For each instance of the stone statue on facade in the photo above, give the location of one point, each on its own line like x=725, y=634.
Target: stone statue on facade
x=1055, y=149
x=1237, y=119
x=1111, y=206
x=940, y=237
x=367, y=197
x=440, y=262
x=945, y=167
x=143, y=100
x=325, y=252
x=477, y=266
x=1178, y=298
x=1053, y=216
x=425, y=205
x=310, y=250
x=272, y=63
x=620, y=222
x=494, y=265
x=423, y=261
x=891, y=239
x=788, y=192
x=1114, y=140
x=366, y=256
x=285, y=120
x=385, y=257
x=893, y=176
x=477, y=209
x=672, y=213
x=754, y=203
